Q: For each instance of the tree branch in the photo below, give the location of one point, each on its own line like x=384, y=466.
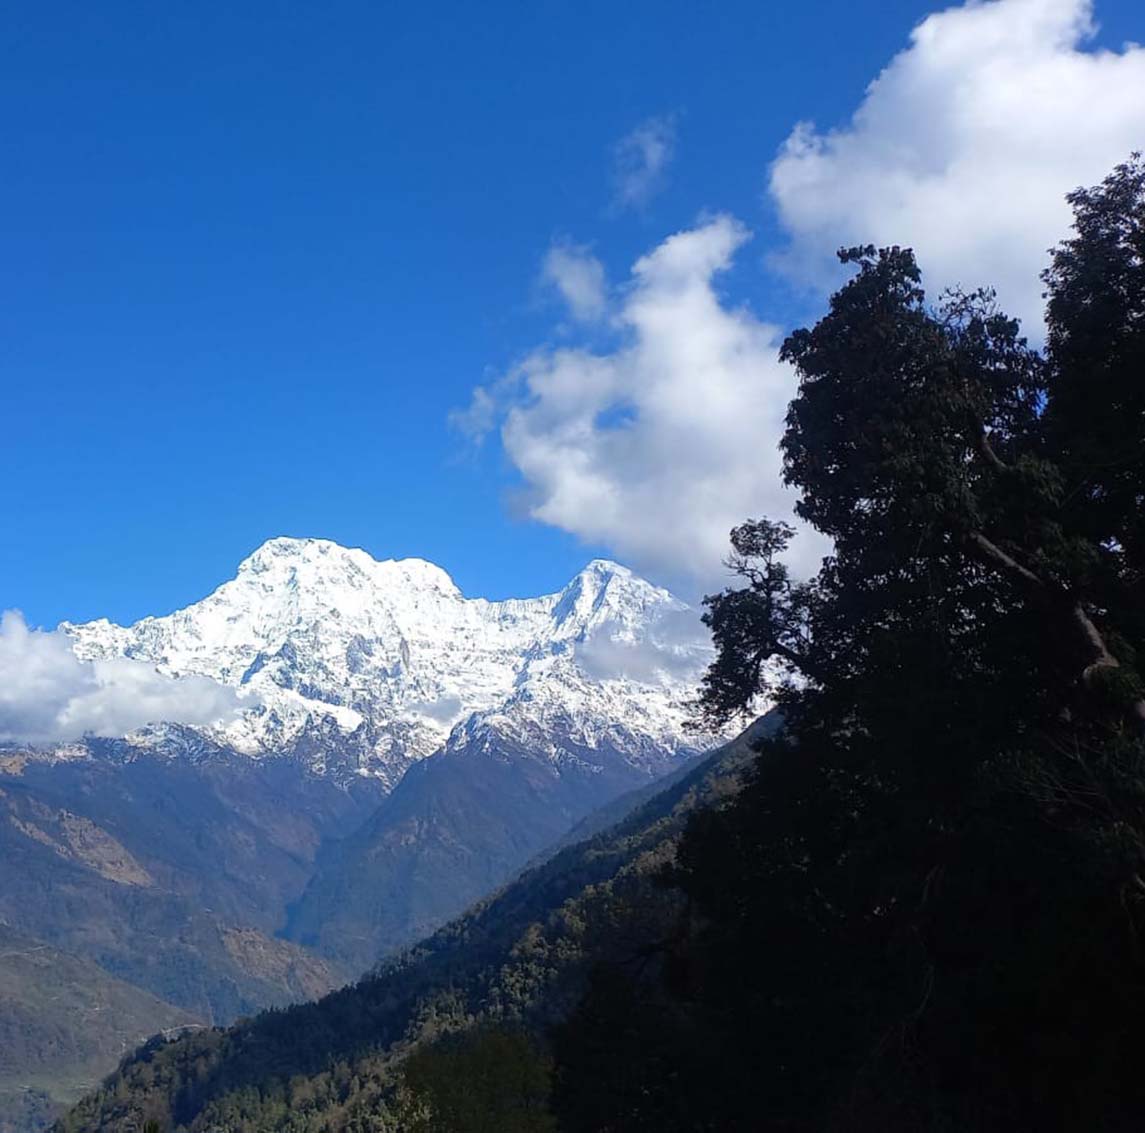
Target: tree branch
x=792, y=658
x=986, y=450
x=1100, y=658
x=994, y=555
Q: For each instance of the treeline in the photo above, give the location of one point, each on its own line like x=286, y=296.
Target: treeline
x=925, y=908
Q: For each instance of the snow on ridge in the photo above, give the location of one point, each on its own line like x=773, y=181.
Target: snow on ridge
x=385, y=659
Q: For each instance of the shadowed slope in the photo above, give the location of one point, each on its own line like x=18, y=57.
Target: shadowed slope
x=521, y=955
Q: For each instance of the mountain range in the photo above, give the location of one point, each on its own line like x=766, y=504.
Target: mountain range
x=395, y=752
x=361, y=667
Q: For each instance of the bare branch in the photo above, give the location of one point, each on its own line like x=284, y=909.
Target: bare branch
x=995, y=556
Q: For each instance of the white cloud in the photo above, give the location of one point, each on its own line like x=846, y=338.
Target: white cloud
x=579, y=277
x=445, y=709
x=964, y=147
x=659, y=447
x=48, y=695
x=676, y=645
x=640, y=159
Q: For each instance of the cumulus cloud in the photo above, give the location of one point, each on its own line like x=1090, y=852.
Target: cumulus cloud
x=579, y=277
x=640, y=159
x=675, y=645
x=48, y=695
x=964, y=147
x=660, y=446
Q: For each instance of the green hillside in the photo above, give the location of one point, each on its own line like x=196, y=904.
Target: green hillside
x=171, y=876
x=150, y=892
x=64, y=1023
x=521, y=957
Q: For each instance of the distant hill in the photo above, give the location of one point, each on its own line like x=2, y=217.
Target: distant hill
x=163, y=880
x=459, y=825
x=64, y=1023
x=170, y=875
x=520, y=956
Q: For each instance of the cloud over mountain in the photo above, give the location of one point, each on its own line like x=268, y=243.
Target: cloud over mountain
x=48, y=695
x=674, y=643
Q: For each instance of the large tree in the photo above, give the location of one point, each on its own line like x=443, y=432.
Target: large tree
x=925, y=909
x=980, y=495
x=953, y=834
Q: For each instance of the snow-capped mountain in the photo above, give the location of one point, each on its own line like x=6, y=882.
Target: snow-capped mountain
x=366, y=666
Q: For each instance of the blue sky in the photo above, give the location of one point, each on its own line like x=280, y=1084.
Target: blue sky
x=255, y=255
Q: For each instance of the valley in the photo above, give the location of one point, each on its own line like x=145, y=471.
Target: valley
x=522, y=958
x=400, y=752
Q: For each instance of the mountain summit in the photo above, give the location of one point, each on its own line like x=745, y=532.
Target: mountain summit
x=360, y=666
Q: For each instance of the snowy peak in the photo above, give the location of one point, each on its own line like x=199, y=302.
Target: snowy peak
x=322, y=561
x=606, y=591
x=383, y=660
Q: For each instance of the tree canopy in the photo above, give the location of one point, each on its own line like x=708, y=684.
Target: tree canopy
x=985, y=500
x=924, y=910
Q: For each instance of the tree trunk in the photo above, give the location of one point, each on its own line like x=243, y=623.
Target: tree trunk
x=1098, y=656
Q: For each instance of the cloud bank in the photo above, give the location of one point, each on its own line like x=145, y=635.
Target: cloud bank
x=658, y=447
x=964, y=148
x=48, y=695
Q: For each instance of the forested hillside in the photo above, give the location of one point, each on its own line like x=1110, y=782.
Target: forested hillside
x=170, y=875
x=62, y=1022
x=148, y=893
x=520, y=958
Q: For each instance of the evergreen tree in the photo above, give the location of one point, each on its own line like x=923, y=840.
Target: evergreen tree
x=924, y=910
x=487, y=1081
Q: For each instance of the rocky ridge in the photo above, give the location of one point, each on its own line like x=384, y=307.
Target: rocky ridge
x=364, y=667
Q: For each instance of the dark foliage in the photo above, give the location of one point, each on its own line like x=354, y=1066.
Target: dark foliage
x=925, y=910
x=489, y=1080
